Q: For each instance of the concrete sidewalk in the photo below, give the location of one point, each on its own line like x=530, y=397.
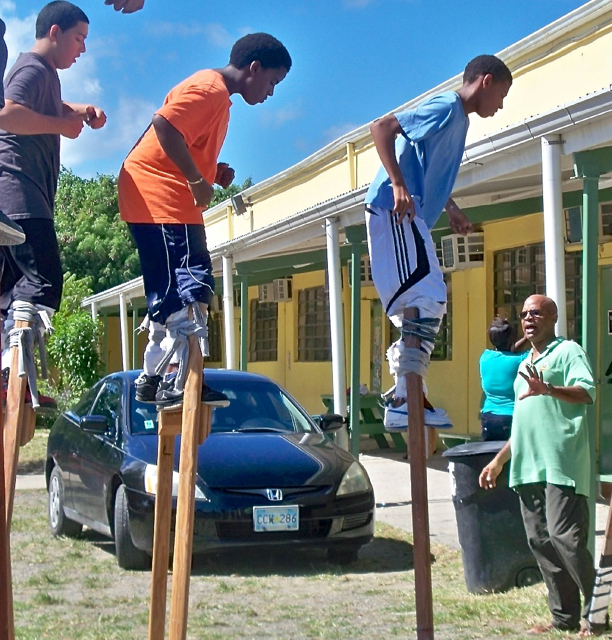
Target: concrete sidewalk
x=390, y=476
x=389, y=472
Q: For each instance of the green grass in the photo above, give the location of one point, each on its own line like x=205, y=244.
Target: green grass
x=32, y=455
x=72, y=588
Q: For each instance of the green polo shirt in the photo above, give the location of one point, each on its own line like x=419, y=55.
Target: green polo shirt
x=549, y=436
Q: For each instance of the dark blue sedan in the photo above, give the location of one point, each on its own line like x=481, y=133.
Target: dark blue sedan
x=267, y=474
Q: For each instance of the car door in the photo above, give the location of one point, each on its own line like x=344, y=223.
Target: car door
x=67, y=436
x=99, y=455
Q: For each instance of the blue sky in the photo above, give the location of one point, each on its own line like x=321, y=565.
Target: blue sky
x=353, y=60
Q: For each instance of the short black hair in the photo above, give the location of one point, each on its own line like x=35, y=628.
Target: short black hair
x=485, y=64
x=501, y=334
x=263, y=47
x=64, y=14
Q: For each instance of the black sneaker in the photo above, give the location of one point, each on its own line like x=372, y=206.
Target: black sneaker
x=167, y=396
x=146, y=387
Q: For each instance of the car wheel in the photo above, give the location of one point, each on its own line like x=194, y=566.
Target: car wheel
x=342, y=555
x=128, y=555
x=59, y=524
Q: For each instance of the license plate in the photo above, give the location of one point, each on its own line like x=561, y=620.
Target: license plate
x=285, y=518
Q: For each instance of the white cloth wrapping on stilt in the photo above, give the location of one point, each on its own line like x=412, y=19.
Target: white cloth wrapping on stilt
x=154, y=352
x=178, y=329
x=25, y=339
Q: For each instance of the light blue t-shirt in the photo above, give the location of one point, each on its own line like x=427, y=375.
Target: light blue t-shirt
x=498, y=371
x=429, y=155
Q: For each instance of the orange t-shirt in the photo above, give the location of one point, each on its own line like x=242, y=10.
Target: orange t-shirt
x=151, y=187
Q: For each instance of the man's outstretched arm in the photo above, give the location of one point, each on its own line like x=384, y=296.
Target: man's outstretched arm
x=126, y=6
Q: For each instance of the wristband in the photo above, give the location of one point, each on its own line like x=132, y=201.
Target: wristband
x=200, y=180
x=549, y=389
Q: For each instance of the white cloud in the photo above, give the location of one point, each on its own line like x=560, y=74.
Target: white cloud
x=214, y=32
x=123, y=128
x=80, y=83
x=338, y=130
x=279, y=117
x=19, y=31
x=218, y=35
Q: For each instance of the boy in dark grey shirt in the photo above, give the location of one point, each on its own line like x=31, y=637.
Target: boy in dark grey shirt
x=10, y=233
x=36, y=117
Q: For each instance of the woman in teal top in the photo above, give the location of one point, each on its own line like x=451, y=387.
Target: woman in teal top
x=498, y=369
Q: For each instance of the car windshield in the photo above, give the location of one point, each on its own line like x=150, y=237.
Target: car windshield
x=254, y=406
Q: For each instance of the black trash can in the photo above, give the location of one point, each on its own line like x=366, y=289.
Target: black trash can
x=496, y=556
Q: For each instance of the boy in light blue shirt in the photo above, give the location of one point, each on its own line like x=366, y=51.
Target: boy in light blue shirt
x=421, y=151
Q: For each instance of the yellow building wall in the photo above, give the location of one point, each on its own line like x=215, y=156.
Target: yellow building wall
x=543, y=85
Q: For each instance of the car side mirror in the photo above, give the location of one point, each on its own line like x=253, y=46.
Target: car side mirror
x=329, y=421
x=98, y=425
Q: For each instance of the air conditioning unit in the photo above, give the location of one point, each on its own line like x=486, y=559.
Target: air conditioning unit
x=282, y=289
x=366, y=271
x=265, y=292
x=461, y=252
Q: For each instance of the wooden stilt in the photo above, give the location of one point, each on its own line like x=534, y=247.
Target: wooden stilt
x=17, y=415
x=185, y=509
x=169, y=427
x=19, y=420
x=418, y=479
x=6, y=589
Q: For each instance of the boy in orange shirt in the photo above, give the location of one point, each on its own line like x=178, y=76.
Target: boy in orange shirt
x=165, y=183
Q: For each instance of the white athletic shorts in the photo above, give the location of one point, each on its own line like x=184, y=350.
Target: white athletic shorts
x=405, y=268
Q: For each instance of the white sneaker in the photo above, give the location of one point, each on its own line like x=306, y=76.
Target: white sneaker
x=437, y=418
x=396, y=418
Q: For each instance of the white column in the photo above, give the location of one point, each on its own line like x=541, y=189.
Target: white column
x=123, y=319
x=554, y=243
x=336, y=324
x=228, y=312
x=94, y=311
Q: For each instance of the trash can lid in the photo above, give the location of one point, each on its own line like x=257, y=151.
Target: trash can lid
x=474, y=449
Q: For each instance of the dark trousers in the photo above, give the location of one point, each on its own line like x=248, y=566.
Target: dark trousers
x=176, y=266
x=557, y=525
x=495, y=427
x=32, y=271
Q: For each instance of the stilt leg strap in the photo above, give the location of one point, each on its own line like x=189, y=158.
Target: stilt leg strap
x=412, y=360
x=179, y=331
x=425, y=329
x=26, y=339
x=157, y=331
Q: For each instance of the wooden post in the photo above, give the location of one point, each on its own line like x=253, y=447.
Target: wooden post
x=185, y=509
x=6, y=588
x=418, y=479
x=17, y=425
x=16, y=418
x=169, y=427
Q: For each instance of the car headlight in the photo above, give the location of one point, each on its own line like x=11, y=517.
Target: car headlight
x=355, y=480
x=150, y=482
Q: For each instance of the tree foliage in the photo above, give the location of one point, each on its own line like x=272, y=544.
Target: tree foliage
x=73, y=348
x=94, y=242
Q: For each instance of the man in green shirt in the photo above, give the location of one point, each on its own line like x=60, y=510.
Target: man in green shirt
x=550, y=465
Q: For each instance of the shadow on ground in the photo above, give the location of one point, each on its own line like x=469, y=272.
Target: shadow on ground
x=380, y=556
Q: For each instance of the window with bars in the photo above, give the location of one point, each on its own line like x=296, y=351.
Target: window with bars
x=215, y=337
x=519, y=273
x=314, y=335
x=263, y=331
x=443, y=346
